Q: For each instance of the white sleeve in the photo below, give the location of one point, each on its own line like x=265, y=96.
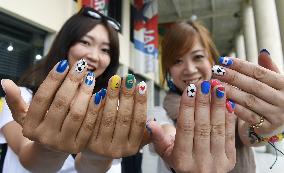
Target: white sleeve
x=6, y=115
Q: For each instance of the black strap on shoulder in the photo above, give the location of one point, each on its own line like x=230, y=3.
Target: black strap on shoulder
x=3, y=151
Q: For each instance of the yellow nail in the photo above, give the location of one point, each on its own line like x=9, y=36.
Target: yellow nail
x=115, y=82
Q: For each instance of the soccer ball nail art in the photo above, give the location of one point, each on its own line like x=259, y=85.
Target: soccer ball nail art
x=218, y=70
x=191, y=90
x=81, y=65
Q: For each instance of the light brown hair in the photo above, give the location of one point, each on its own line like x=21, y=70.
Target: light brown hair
x=180, y=38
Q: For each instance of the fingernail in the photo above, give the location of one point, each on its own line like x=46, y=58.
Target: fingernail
x=227, y=61
x=215, y=82
x=191, y=90
x=264, y=51
x=205, y=87
x=115, y=81
x=220, y=92
x=129, y=81
x=97, y=98
x=103, y=93
x=149, y=130
x=62, y=66
x=218, y=70
x=90, y=78
x=230, y=105
x=81, y=65
x=142, y=87
x=2, y=80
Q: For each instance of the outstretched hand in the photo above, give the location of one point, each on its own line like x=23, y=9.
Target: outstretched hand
x=205, y=133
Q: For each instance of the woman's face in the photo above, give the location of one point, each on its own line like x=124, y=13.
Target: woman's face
x=192, y=67
x=94, y=48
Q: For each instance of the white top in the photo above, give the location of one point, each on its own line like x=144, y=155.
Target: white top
x=12, y=163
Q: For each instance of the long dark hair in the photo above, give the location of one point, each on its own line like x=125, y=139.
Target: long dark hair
x=71, y=32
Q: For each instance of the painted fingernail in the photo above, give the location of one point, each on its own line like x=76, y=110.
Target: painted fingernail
x=142, y=87
x=97, y=98
x=191, y=90
x=2, y=80
x=103, y=93
x=205, y=87
x=115, y=82
x=215, y=82
x=227, y=61
x=129, y=81
x=230, y=105
x=264, y=51
x=149, y=130
x=62, y=66
x=218, y=70
x=220, y=92
x=81, y=65
x=90, y=78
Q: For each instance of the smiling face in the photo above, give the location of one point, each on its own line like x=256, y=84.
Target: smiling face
x=94, y=48
x=192, y=67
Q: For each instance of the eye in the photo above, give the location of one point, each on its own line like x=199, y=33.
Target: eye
x=85, y=42
x=178, y=61
x=106, y=50
x=198, y=57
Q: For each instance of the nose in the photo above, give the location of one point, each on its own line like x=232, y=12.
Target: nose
x=190, y=67
x=93, y=55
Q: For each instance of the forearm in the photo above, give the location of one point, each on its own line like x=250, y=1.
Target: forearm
x=37, y=158
x=86, y=163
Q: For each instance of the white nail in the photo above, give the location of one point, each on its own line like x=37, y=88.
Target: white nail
x=218, y=70
x=81, y=65
x=142, y=87
x=2, y=80
x=191, y=90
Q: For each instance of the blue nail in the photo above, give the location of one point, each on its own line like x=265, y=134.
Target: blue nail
x=103, y=93
x=264, y=51
x=225, y=61
x=233, y=104
x=220, y=92
x=62, y=66
x=205, y=87
x=97, y=98
x=90, y=78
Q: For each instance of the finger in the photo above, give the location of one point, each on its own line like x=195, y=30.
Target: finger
x=87, y=129
x=202, y=120
x=218, y=108
x=65, y=94
x=185, y=124
x=139, y=115
x=251, y=102
x=124, y=116
x=230, y=126
x=76, y=115
x=252, y=118
x=109, y=112
x=250, y=85
x=14, y=100
x=163, y=142
x=265, y=61
x=44, y=95
x=257, y=72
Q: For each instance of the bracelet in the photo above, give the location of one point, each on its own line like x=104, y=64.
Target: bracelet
x=274, y=138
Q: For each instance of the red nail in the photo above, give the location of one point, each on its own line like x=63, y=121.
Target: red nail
x=215, y=82
x=229, y=107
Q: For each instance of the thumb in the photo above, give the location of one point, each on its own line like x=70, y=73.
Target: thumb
x=163, y=142
x=14, y=100
x=265, y=61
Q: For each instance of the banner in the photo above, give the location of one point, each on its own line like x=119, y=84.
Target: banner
x=100, y=5
x=146, y=35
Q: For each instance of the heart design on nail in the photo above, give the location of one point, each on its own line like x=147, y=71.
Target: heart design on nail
x=142, y=87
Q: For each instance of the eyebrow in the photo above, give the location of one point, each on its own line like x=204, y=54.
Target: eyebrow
x=93, y=39
x=198, y=50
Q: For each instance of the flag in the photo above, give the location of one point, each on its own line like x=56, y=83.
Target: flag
x=145, y=36
x=100, y=5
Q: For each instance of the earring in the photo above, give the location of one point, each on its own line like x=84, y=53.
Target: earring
x=170, y=83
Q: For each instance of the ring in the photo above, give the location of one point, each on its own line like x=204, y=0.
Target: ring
x=259, y=124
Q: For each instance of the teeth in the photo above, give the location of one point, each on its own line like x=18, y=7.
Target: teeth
x=192, y=81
